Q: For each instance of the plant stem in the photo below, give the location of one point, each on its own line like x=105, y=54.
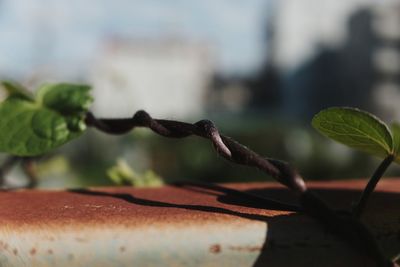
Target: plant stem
x=29, y=168
x=7, y=166
x=360, y=206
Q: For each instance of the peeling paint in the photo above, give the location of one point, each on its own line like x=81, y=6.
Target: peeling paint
x=178, y=227
x=216, y=248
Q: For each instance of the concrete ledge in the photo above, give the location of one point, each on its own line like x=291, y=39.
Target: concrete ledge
x=183, y=226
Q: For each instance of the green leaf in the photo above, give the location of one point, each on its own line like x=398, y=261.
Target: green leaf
x=122, y=174
x=34, y=127
x=395, y=127
x=355, y=128
x=16, y=90
x=66, y=98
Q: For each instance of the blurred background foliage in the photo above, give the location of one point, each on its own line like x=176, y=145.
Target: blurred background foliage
x=260, y=69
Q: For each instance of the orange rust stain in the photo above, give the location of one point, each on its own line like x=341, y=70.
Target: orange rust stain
x=33, y=251
x=245, y=248
x=119, y=206
x=15, y=251
x=122, y=249
x=138, y=207
x=216, y=248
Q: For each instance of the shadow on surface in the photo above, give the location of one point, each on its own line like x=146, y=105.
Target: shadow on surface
x=295, y=239
x=382, y=217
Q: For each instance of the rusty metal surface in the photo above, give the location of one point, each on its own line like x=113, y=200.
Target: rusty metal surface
x=179, y=226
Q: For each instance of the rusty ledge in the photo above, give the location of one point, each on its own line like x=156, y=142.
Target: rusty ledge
x=185, y=226
x=171, y=204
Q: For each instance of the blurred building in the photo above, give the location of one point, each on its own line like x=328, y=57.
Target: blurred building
x=167, y=78
x=336, y=53
x=386, y=60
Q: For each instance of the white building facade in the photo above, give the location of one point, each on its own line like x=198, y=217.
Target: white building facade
x=167, y=78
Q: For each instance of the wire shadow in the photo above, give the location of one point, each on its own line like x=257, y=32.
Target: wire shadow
x=286, y=234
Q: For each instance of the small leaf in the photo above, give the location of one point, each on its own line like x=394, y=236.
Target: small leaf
x=66, y=98
x=28, y=130
x=395, y=127
x=33, y=127
x=122, y=174
x=16, y=90
x=355, y=128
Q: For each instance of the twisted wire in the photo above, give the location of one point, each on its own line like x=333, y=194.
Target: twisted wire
x=223, y=145
x=348, y=228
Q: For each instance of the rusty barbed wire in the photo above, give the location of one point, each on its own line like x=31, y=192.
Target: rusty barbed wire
x=346, y=227
x=224, y=146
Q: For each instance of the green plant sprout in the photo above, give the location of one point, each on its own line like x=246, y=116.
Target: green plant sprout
x=122, y=174
x=363, y=131
x=33, y=125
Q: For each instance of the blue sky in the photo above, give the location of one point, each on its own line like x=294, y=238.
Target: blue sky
x=36, y=32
